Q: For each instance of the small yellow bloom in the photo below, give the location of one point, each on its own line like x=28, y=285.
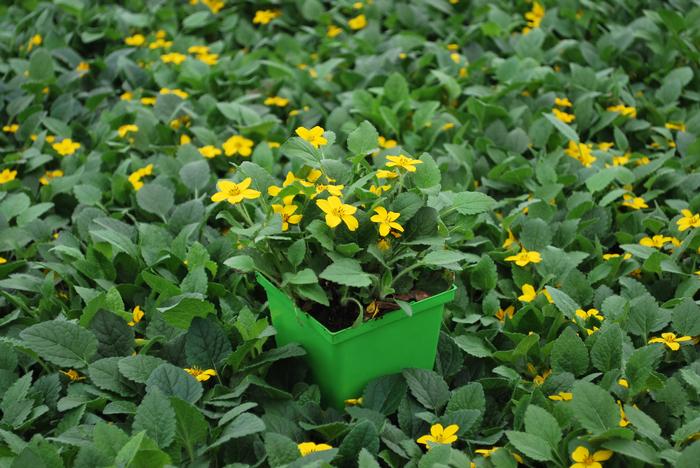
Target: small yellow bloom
x=501, y=315
x=357, y=22
x=585, y=459
x=276, y=101
x=136, y=176
x=7, y=175
x=198, y=49
x=306, y=448
x=623, y=383
x=679, y=126
x=671, y=340
x=333, y=31
x=214, y=5
x=439, y=435
x=525, y=257
x=448, y=126
x=3, y=260
x=561, y=396
x=287, y=212
x=540, y=379
x=209, y=151
x=586, y=314
x=238, y=144
x=379, y=189
x=486, y=453
x=336, y=212
x=528, y=293
x=563, y=116
x=384, y=174
x=148, y=101
x=386, y=143
x=12, y=128
x=124, y=130
x=658, y=241
x=136, y=316
x=621, y=160
x=354, y=401
x=83, y=68
x=688, y=220
x=177, y=92
x=455, y=57
x=636, y=203
x=403, y=162
x=534, y=17
x=265, y=16
x=610, y=256
x=234, y=192
x=66, y=147
x=624, y=422
x=314, y=136
x=173, y=57
x=160, y=43
x=49, y=176
x=202, y=375
x=562, y=102
x=384, y=243
x=136, y=40
x=127, y=96
x=209, y=59
x=386, y=220
x=605, y=145
x=35, y=41
x=185, y=139
x=73, y=375
x=510, y=240
x=581, y=152
x=627, y=111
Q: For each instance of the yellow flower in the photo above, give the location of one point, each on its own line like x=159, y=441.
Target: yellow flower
x=403, y=162
x=525, y=257
x=66, y=147
x=605, y=145
x=439, y=435
x=306, y=448
x=581, y=152
x=185, y=139
x=126, y=129
x=455, y=57
x=354, y=401
x=209, y=151
x=610, y=256
x=160, y=43
x=636, y=203
x=621, y=160
x=238, y=144
x=623, y=383
x=561, y=396
x=136, y=316
x=586, y=314
x=508, y=312
x=127, y=96
x=657, y=241
x=82, y=68
x=314, y=136
x=624, y=110
x=624, y=422
x=689, y=220
x=177, y=92
x=384, y=174
x=209, y=59
x=384, y=244
x=548, y=296
x=73, y=375
x=336, y=212
x=173, y=57
x=12, y=128
x=562, y=102
x=386, y=143
x=379, y=189
x=510, y=240
x=273, y=144
x=234, y=192
x=584, y=458
x=136, y=40
x=214, y=5
x=148, y=101
x=333, y=31
x=386, y=220
x=265, y=16
x=276, y=101
x=287, y=212
x=357, y=22
x=35, y=40
x=486, y=453
x=534, y=17
x=135, y=177
x=529, y=293
x=359, y=5
x=671, y=340
x=591, y=331
x=448, y=126
x=680, y=126
x=50, y=175
x=198, y=49
x=539, y=379
x=7, y=176
x=202, y=375
x=563, y=116
x=3, y=260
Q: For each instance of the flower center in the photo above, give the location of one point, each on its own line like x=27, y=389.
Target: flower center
x=234, y=191
x=339, y=212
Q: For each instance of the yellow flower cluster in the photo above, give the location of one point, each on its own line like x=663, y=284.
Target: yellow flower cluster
x=265, y=16
x=135, y=177
x=6, y=175
x=626, y=111
x=581, y=152
x=534, y=17
x=66, y=147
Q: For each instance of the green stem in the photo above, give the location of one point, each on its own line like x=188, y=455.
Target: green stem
x=245, y=214
x=406, y=270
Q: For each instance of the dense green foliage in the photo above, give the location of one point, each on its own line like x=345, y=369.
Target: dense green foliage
x=557, y=188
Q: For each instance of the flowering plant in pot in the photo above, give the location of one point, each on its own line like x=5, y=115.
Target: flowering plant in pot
x=353, y=251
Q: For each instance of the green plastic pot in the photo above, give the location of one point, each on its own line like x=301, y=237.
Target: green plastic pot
x=343, y=362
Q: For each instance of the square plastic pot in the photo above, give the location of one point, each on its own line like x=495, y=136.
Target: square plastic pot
x=343, y=362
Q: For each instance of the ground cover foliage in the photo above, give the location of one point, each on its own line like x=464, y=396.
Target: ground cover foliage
x=557, y=178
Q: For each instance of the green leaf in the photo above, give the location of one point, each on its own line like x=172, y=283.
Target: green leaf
x=244, y=425
x=155, y=199
x=594, y=408
x=396, y=88
x=384, y=394
x=195, y=175
x=531, y=445
x=363, y=139
x=114, y=336
x=104, y=373
x=280, y=449
x=427, y=387
x=471, y=203
x=173, y=381
x=540, y=422
x=569, y=354
x=366, y=460
x=363, y=435
x=185, y=308
x=347, y=272
x=141, y=452
x=206, y=344
x=87, y=194
x=427, y=175
x=686, y=318
x=633, y=449
x=41, y=66
x=640, y=365
x=606, y=354
x=564, y=303
x=62, y=343
x=190, y=426
x=243, y=263
x=156, y=416
x=296, y=252
x=140, y=367
x=644, y=423
x=484, y=275
x=563, y=128
x=473, y=345
x=447, y=258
